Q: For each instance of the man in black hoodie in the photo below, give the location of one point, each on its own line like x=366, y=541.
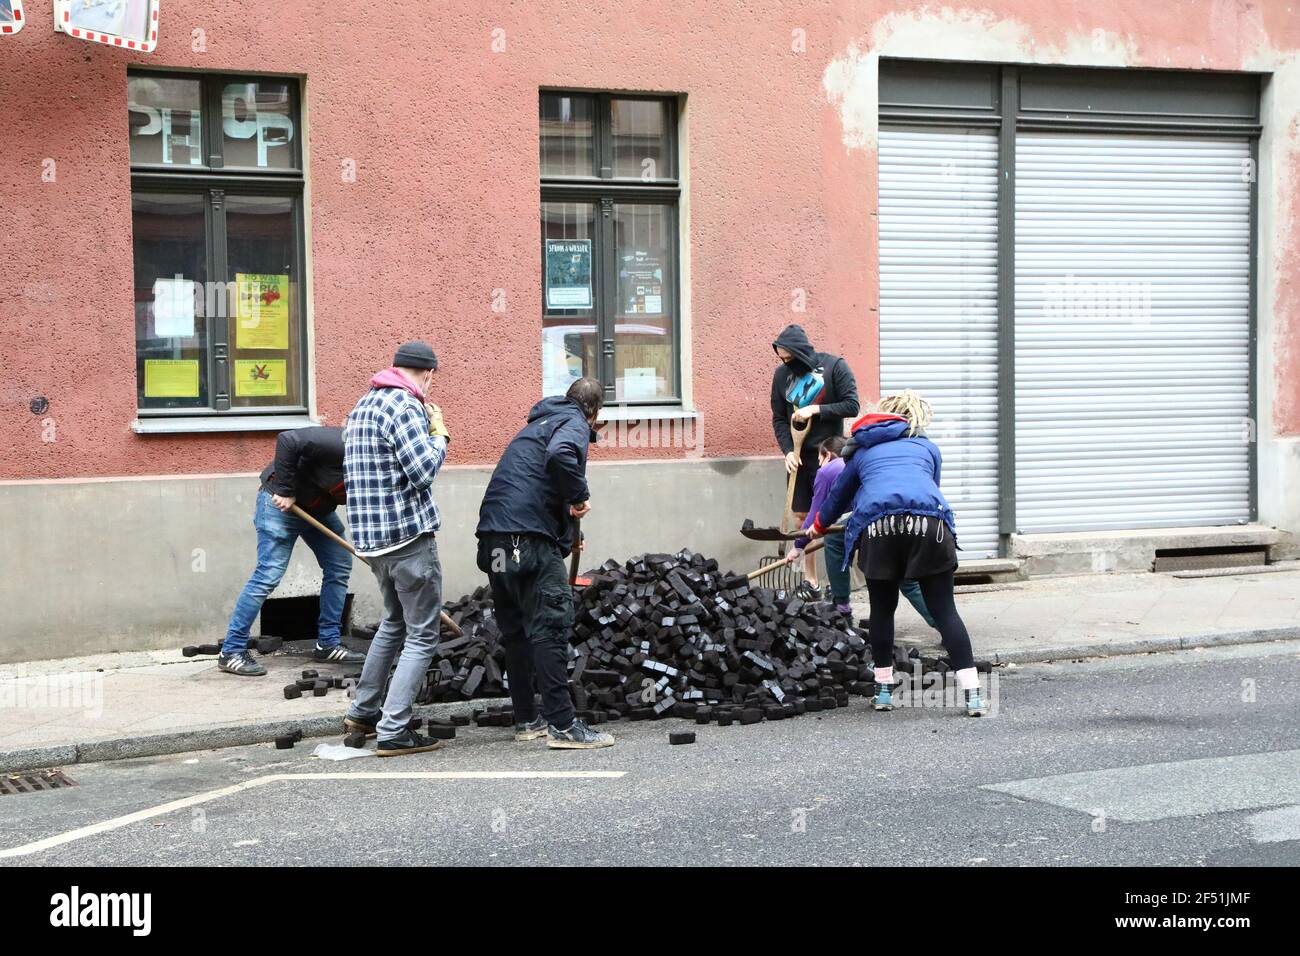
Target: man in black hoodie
x=809, y=385
x=525, y=531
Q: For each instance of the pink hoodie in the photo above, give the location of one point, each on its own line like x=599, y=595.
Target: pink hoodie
x=392, y=378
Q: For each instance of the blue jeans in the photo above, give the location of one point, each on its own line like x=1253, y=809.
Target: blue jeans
x=276, y=534
x=835, y=569
x=410, y=580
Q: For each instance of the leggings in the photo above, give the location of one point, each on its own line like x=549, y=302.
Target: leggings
x=937, y=591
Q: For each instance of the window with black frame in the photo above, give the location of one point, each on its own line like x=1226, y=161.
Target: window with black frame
x=217, y=193
x=610, y=191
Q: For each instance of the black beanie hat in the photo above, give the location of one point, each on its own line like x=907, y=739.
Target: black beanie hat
x=415, y=355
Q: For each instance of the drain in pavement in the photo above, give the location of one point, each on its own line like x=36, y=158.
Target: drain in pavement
x=13, y=784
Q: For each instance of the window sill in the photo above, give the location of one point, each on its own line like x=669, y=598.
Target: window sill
x=195, y=424
x=641, y=413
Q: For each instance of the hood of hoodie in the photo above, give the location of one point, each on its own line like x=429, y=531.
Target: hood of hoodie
x=795, y=341
x=549, y=406
x=874, y=429
x=558, y=404
x=392, y=378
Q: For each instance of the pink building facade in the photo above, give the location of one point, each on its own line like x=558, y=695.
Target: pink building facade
x=707, y=173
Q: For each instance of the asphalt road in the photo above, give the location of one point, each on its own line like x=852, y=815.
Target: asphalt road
x=1174, y=759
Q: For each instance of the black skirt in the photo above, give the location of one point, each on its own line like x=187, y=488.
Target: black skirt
x=906, y=547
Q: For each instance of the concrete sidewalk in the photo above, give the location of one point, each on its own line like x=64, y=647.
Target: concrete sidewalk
x=145, y=703
x=1123, y=613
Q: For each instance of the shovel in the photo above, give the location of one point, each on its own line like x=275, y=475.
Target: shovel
x=446, y=618
x=798, y=433
x=574, y=580
x=776, y=534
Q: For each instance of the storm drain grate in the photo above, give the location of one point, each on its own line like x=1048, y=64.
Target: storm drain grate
x=1202, y=559
x=32, y=782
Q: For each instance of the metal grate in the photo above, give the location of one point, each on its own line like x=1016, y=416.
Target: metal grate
x=781, y=576
x=1188, y=559
x=33, y=782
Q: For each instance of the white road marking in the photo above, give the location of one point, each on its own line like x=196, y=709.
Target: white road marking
x=1275, y=826
x=117, y=823
x=1180, y=788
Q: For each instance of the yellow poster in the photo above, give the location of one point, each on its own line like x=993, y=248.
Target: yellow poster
x=171, y=378
x=261, y=378
x=262, y=311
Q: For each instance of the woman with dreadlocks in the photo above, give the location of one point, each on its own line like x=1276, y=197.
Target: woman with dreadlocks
x=902, y=528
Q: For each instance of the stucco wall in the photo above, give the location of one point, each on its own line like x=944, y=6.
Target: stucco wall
x=444, y=209
x=780, y=127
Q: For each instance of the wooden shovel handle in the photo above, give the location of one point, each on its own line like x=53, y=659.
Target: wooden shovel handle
x=814, y=546
x=798, y=434
x=577, y=542
x=337, y=539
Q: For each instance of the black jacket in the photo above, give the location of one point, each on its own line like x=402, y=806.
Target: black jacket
x=838, y=398
x=542, y=472
x=309, y=467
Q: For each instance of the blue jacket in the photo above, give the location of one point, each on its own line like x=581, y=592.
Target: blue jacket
x=541, y=473
x=885, y=473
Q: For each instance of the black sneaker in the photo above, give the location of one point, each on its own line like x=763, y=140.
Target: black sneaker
x=578, y=736
x=807, y=592
x=244, y=664
x=532, y=730
x=360, y=724
x=408, y=742
x=338, y=654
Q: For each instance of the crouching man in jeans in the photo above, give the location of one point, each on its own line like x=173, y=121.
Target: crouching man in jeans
x=307, y=471
x=394, y=445
x=525, y=531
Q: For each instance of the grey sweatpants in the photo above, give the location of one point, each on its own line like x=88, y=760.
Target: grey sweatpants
x=410, y=580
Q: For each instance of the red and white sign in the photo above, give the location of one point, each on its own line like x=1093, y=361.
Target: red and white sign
x=11, y=16
x=129, y=24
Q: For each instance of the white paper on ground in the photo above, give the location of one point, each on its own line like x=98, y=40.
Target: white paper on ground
x=340, y=752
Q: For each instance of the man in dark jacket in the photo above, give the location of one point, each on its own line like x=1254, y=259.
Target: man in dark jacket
x=810, y=386
x=525, y=531
x=307, y=471
x=816, y=388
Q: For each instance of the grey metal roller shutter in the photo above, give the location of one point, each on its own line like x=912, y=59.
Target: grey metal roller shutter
x=1132, y=332
x=939, y=306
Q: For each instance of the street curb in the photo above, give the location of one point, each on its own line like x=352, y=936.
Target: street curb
x=327, y=725
x=211, y=737
x=1144, y=645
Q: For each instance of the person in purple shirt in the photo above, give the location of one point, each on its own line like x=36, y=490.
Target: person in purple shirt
x=829, y=466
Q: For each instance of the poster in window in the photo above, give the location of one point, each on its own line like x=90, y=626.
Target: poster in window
x=264, y=378
x=171, y=378
x=262, y=311
x=173, y=308
x=641, y=283
x=568, y=273
x=561, y=360
x=640, y=384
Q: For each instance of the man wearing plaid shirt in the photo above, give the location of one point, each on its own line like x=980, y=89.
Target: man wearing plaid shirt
x=394, y=444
